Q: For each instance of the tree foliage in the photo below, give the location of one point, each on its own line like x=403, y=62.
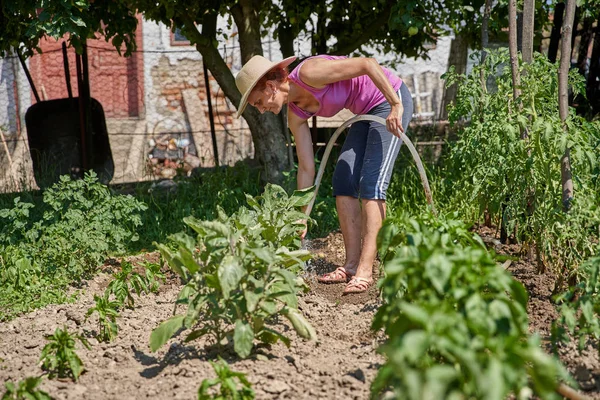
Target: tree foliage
x=24, y=23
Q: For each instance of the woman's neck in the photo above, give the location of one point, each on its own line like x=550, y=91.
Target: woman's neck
x=294, y=92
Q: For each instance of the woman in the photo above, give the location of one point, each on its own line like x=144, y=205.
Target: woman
x=323, y=85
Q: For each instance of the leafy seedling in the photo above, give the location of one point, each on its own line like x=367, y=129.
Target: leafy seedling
x=59, y=357
x=25, y=390
x=108, y=311
x=231, y=385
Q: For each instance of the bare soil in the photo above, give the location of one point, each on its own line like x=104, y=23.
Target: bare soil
x=341, y=364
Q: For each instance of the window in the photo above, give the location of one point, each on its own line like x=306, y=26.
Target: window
x=178, y=38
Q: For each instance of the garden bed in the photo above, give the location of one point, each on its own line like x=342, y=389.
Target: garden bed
x=341, y=364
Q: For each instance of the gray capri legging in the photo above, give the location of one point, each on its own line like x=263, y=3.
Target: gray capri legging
x=367, y=158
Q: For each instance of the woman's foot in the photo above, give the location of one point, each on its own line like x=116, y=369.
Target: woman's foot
x=339, y=275
x=358, y=285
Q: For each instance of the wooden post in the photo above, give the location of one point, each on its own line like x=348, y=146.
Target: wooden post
x=528, y=22
x=563, y=102
x=210, y=116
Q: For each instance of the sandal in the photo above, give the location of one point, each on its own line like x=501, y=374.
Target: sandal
x=339, y=275
x=358, y=285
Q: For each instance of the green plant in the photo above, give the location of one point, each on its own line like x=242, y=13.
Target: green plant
x=579, y=309
x=240, y=273
x=493, y=171
x=91, y=219
x=127, y=280
x=59, y=358
x=153, y=275
x=108, y=311
x=25, y=390
x=60, y=238
x=456, y=323
x=229, y=383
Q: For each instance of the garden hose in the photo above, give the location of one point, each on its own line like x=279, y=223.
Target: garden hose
x=404, y=138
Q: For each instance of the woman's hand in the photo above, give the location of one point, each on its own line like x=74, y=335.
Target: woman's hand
x=394, y=120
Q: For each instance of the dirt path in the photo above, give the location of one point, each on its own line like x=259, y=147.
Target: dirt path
x=340, y=365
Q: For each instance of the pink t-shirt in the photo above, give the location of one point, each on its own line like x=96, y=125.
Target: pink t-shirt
x=358, y=95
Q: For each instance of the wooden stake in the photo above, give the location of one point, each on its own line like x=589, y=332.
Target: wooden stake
x=570, y=393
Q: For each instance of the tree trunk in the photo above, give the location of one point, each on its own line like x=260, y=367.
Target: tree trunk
x=575, y=24
x=285, y=35
x=559, y=11
x=516, y=82
x=587, y=33
x=458, y=59
x=248, y=24
x=528, y=21
x=319, y=44
x=593, y=82
x=267, y=129
x=519, y=31
x=512, y=47
x=485, y=33
x=563, y=101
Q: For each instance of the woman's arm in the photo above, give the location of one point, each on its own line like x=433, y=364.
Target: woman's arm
x=304, y=150
x=306, y=156
x=318, y=72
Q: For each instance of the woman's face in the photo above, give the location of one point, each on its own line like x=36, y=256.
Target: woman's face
x=270, y=98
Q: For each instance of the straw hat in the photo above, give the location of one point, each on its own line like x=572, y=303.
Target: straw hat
x=250, y=74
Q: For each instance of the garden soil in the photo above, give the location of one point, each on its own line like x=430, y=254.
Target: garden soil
x=340, y=364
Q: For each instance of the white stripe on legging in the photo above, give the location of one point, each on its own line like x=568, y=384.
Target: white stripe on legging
x=387, y=163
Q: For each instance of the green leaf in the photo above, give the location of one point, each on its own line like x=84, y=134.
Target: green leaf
x=196, y=334
x=302, y=197
x=187, y=259
x=184, y=240
x=271, y=336
x=438, y=269
x=385, y=237
x=252, y=298
x=415, y=343
x=243, y=338
x=300, y=324
x=494, y=388
x=269, y=307
x=175, y=264
x=264, y=254
x=438, y=379
x=519, y=293
x=281, y=290
x=543, y=370
x=252, y=202
x=415, y=314
x=230, y=273
x=165, y=331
